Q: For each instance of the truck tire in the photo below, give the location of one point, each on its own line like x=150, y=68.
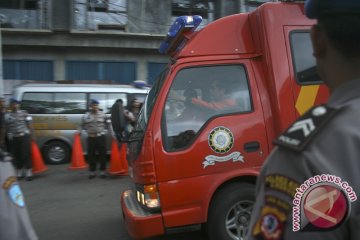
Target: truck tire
x=230, y=211
x=56, y=152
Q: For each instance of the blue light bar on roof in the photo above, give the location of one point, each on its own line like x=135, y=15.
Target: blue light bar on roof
x=175, y=37
x=139, y=84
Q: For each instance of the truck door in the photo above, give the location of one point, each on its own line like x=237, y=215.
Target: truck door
x=308, y=89
x=205, y=140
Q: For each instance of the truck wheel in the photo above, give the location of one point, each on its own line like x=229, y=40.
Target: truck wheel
x=56, y=152
x=230, y=212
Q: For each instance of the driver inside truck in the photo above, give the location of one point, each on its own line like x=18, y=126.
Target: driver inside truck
x=219, y=98
x=189, y=112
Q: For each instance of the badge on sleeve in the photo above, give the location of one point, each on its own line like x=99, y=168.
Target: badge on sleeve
x=270, y=224
x=14, y=192
x=301, y=132
x=272, y=220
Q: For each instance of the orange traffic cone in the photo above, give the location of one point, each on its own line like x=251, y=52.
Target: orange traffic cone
x=118, y=162
x=38, y=165
x=77, y=156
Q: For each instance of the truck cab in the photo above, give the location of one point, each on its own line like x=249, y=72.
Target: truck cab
x=209, y=121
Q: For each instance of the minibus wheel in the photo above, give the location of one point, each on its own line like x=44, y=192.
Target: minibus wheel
x=230, y=212
x=56, y=152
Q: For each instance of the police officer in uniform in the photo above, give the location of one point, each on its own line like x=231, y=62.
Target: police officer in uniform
x=307, y=187
x=95, y=123
x=14, y=219
x=19, y=130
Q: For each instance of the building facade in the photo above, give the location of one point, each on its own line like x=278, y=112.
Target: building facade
x=95, y=40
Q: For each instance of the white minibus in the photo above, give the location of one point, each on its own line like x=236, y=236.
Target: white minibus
x=57, y=110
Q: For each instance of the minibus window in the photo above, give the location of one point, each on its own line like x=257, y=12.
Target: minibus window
x=140, y=97
x=70, y=103
x=111, y=99
x=198, y=94
x=101, y=97
x=37, y=103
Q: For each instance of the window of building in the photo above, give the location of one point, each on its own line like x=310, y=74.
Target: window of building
x=28, y=70
x=117, y=72
x=303, y=59
x=198, y=94
x=25, y=14
x=98, y=5
x=100, y=14
x=19, y=4
x=154, y=70
x=190, y=7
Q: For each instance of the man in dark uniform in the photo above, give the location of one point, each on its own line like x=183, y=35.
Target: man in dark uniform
x=14, y=219
x=307, y=187
x=95, y=123
x=19, y=131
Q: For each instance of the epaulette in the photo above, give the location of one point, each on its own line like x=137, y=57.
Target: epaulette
x=301, y=132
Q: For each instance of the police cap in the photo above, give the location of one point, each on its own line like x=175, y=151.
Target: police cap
x=316, y=8
x=13, y=100
x=94, y=102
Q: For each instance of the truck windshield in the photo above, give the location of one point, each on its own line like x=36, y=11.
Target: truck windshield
x=137, y=135
x=151, y=100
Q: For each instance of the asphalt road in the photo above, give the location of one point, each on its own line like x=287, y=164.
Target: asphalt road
x=65, y=205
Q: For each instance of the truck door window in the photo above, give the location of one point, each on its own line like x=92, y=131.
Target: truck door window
x=198, y=94
x=304, y=61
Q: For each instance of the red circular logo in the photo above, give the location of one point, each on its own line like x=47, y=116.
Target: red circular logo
x=325, y=206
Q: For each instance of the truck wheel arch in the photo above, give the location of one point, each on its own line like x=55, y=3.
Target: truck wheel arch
x=251, y=179
x=224, y=207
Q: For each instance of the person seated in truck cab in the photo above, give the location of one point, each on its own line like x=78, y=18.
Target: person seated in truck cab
x=189, y=111
x=219, y=98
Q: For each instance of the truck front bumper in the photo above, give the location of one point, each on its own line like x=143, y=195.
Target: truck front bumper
x=139, y=223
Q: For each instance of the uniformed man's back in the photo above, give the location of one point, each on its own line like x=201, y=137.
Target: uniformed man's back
x=308, y=186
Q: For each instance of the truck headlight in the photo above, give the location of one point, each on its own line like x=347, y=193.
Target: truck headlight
x=148, y=197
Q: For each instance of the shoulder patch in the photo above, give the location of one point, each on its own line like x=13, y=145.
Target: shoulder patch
x=14, y=192
x=301, y=132
x=272, y=220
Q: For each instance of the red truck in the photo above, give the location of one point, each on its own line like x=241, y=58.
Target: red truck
x=194, y=159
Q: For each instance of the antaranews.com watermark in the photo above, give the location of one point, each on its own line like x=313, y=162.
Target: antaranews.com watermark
x=322, y=201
